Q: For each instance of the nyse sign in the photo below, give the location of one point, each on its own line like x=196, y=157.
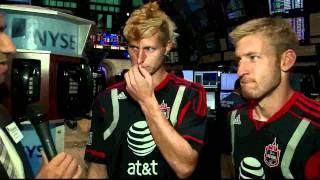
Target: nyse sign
x=55, y=39
x=46, y=33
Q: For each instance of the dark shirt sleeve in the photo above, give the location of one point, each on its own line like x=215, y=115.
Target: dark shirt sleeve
x=192, y=119
x=95, y=149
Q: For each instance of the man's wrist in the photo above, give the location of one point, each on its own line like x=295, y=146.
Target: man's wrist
x=149, y=104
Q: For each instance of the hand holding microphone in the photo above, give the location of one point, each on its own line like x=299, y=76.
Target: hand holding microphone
x=35, y=113
x=54, y=165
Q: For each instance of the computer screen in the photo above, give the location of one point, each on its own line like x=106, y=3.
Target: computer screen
x=235, y=9
x=211, y=102
x=188, y=75
x=224, y=94
x=284, y=6
x=228, y=80
x=297, y=24
x=206, y=78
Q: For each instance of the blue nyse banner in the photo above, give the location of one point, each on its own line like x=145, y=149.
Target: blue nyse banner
x=43, y=33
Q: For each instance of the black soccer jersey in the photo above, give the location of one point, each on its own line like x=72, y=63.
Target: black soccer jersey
x=286, y=146
x=120, y=137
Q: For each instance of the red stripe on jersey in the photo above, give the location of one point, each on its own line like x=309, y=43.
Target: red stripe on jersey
x=313, y=102
x=163, y=83
x=310, y=104
x=276, y=116
x=193, y=139
x=182, y=113
x=119, y=85
x=179, y=80
x=97, y=102
x=295, y=115
x=96, y=153
x=312, y=168
x=299, y=117
x=303, y=108
x=204, y=103
x=315, y=124
x=285, y=108
x=202, y=99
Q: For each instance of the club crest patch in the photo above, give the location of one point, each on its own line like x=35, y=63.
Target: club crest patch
x=165, y=109
x=272, y=154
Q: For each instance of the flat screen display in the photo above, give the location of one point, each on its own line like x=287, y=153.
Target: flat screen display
x=211, y=100
x=206, y=78
x=223, y=95
x=188, y=75
x=297, y=24
x=284, y=6
x=228, y=80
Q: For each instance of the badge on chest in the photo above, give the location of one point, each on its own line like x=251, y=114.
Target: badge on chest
x=165, y=109
x=14, y=132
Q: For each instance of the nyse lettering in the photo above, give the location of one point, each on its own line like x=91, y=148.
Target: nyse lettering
x=142, y=169
x=33, y=151
x=57, y=39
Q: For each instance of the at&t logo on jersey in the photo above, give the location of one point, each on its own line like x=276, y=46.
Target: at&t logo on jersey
x=144, y=169
x=139, y=139
x=251, y=168
x=272, y=154
x=141, y=143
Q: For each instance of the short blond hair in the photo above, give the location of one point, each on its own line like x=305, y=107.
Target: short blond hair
x=277, y=31
x=147, y=21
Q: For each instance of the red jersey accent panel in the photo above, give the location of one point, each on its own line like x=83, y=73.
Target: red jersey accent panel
x=96, y=153
x=310, y=102
x=182, y=113
x=313, y=113
x=312, y=170
x=309, y=106
x=119, y=85
x=201, y=107
x=163, y=83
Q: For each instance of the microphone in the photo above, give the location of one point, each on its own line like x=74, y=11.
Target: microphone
x=35, y=113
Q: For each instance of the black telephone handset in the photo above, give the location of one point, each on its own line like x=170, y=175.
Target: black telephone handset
x=30, y=78
x=25, y=85
x=74, y=87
